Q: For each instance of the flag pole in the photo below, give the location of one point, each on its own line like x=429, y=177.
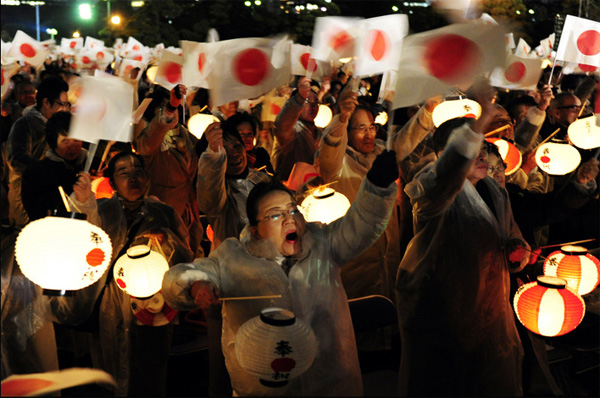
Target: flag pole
x=90, y=158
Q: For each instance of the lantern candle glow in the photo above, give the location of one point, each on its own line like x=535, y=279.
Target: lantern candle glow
x=324, y=205
x=574, y=264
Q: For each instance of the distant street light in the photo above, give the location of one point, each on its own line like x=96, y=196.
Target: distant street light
x=52, y=32
x=115, y=20
x=85, y=11
x=76, y=34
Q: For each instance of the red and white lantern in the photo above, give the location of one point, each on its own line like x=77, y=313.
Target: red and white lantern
x=510, y=154
x=574, y=264
x=324, y=205
x=140, y=271
x=557, y=158
x=275, y=346
x=548, y=307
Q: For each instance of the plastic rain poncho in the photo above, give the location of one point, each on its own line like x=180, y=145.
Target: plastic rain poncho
x=457, y=326
x=312, y=291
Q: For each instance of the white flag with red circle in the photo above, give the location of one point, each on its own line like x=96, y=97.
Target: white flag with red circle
x=128, y=65
x=597, y=104
x=169, y=73
x=518, y=73
x=27, y=49
x=509, y=40
x=334, y=38
x=246, y=68
x=92, y=43
x=579, y=41
x=522, y=49
x=71, y=46
x=303, y=64
x=379, y=44
x=452, y=56
x=195, y=65
x=85, y=59
x=8, y=71
x=103, y=110
x=133, y=45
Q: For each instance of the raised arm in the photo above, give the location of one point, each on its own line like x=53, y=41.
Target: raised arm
x=405, y=140
x=290, y=113
x=212, y=166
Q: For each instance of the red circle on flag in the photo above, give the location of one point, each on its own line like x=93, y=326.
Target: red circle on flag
x=135, y=48
x=201, y=61
x=589, y=42
x=173, y=72
x=380, y=44
x=121, y=283
x=308, y=62
x=250, y=66
x=545, y=159
x=85, y=59
x=451, y=57
x=588, y=68
x=27, y=50
x=99, y=55
x=341, y=41
x=72, y=44
x=515, y=71
x=95, y=257
x=275, y=109
x=137, y=58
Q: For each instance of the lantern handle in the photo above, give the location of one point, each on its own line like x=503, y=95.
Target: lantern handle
x=250, y=297
x=546, y=140
x=568, y=243
x=499, y=129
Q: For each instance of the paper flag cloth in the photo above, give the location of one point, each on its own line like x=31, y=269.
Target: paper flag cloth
x=580, y=41
x=7, y=72
x=71, y=46
x=303, y=64
x=195, y=68
x=35, y=384
x=334, y=38
x=247, y=68
x=518, y=73
x=169, y=73
x=454, y=55
x=103, y=110
x=26, y=48
x=522, y=48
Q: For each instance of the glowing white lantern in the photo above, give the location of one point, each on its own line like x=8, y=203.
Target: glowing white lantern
x=451, y=109
x=275, y=346
x=140, y=271
x=584, y=133
x=557, y=158
x=151, y=73
x=381, y=118
x=548, y=307
x=199, y=122
x=323, y=117
x=510, y=154
x=574, y=264
x=63, y=254
x=324, y=205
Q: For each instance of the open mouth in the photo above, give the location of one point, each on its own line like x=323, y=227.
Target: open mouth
x=291, y=237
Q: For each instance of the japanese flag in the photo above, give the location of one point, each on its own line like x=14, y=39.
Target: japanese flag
x=85, y=59
x=70, y=46
x=597, y=104
x=433, y=61
x=246, y=68
x=334, y=38
x=522, y=48
x=303, y=64
x=379, y=44
x=195, y=65
x=133, y=45
x=102, y=55
x=580, y=41
x=93, y=44
x=547, y=45
x=388, y=86
x=103, y=110
x=7, y=72
x=128, y=65
x=518, y=73
x=27, y=49
x=509, y=40
x=271, y=108
x=169, y=73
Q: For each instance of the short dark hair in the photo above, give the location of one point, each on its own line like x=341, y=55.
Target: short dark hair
x=442, y=133
x=259, y=191
x=230, y=133
x=239, y=118
x=50, y=88
x=58, y=124
x=493, y=149
x=526, y=100
x=559, y=99
x=110, y=169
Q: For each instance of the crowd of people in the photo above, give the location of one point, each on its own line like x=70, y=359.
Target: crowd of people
x=434, y=225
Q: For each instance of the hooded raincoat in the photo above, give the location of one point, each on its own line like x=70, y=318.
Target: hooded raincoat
x=312, y=291
x=457, y=325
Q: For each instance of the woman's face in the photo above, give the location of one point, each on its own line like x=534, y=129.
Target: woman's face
x=236, y=157
x=480, y=167
x=280, y=221
x=130, y=179
x=68, y=148
x=496, y=169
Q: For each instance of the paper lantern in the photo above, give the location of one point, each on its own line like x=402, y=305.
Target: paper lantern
x=323, y=117
x=584, y=133
x=275, y=346
x=324, y=205
x=510, y=154
x=454, y=108
x=557, y=158
x=548, y=307
x=63, y=254
x=101, y=188
x=574, y=264
x=151, y=73
x=140, y=271
x=199, y=122
x=382, y=118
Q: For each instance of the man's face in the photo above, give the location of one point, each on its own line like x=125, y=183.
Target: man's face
x=362, y=131
x=496, y=169
x=130, y=179
x=247, y=134
x=480, y=167
x=502, y=119
x=280, y=221
x=60, y=104
x=25, y=95
x=236, y=156
x=567, y=112
x=310, y=108
x=67, y=148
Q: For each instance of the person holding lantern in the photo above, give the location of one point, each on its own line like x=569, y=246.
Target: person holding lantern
x=133, y=352
x=278, y=253
x=456, y=323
